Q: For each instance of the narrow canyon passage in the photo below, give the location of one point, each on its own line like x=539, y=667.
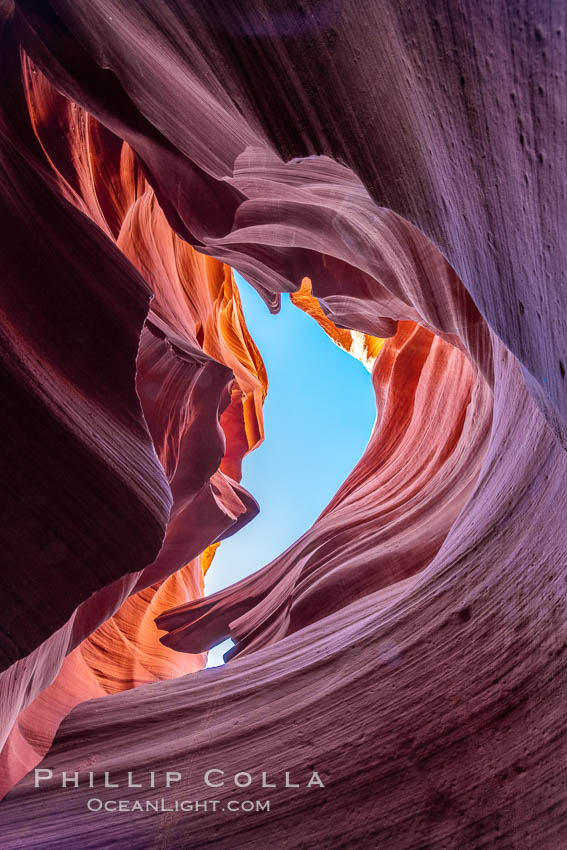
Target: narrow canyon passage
x=381, y=558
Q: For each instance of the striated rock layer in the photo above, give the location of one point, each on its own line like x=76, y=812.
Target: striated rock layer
x=201, y=383
x=427, y=705
x=409, y=647
x=385, y=523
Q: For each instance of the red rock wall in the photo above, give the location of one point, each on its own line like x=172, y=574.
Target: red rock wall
x=408, y=160
x=201, y=383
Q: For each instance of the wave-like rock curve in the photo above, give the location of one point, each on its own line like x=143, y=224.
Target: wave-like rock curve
x=410, y=646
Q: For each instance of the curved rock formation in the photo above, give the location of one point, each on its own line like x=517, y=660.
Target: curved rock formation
x=362, y=346
x=385, y=523
x=201, y=383
x=409, y=647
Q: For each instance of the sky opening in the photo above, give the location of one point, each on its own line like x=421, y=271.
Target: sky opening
x=318, y=416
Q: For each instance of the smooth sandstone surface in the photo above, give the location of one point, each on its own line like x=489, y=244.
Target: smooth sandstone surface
x=407, y=160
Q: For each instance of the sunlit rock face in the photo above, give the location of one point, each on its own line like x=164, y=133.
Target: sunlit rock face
x=410, y=645
x=384, y=525
x=201, y=384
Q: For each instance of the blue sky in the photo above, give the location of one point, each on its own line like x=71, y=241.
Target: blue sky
x=318, y=416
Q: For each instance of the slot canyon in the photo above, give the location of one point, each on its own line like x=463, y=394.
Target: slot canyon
x=398, y=170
